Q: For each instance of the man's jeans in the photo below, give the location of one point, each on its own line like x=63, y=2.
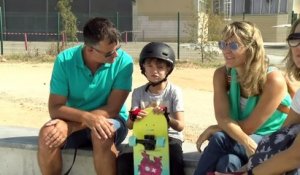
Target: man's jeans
x=223, y=154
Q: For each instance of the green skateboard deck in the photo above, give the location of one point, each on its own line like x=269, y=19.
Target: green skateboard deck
x=150, y=145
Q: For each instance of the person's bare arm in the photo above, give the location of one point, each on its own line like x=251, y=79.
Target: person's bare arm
x=111, y=110
x=58, y=110
x=293, y=118
x=206, y=134
x=140, y=115
x=274, y=91
x=65, y=120
x=177, y=122
x=95, y=120
x=114, y=104
x=278, y=163
x=222, y=113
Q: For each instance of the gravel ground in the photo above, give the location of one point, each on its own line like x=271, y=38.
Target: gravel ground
x=24, y=89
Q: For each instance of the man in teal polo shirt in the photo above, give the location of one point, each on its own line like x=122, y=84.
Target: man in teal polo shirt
x=88, y=88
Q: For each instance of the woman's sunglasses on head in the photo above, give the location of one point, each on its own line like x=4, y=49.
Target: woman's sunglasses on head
x=293, y=39
x=233, y=46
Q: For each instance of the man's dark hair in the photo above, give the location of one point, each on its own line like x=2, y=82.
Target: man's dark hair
x=98, y=29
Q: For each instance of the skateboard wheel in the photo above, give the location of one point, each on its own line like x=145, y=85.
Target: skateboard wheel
x=132, y=141
x=160, y=141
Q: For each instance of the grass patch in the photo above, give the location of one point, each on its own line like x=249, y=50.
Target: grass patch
x=42, y=58
x=49, y=58
x=190, y=63
x=198, y=64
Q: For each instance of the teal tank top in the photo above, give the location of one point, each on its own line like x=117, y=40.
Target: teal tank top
x=274, y=122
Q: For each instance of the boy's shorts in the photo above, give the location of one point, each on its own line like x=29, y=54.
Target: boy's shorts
x=82, y=138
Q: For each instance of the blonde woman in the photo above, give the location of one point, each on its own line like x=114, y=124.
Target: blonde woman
x=250, y=101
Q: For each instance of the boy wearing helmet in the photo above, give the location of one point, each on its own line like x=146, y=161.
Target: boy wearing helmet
x=156, y=63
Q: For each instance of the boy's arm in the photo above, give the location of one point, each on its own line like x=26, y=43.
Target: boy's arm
x=136, y=114
x=177, y=114
x=129, y=123
x=177, y=122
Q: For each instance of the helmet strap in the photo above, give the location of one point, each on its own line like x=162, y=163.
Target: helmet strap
x=153, y=84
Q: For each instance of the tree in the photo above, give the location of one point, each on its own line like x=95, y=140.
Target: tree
x=205, y=30
x=210, y=26
x=68, y=19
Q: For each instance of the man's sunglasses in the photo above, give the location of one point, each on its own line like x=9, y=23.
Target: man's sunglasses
x=293, y=39
x=233, y=46
x=108, y=54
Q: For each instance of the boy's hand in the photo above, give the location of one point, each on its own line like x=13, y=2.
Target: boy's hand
x=159, y=110
x=137, y=114
x=141, y=115
x=162, y=110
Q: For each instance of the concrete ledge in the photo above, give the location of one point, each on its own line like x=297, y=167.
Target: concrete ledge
x=18, y=147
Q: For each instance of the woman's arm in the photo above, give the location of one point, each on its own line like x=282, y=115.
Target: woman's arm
x=206, y=134
x=278, y=163
x=273, y=93
x=222, y=112
x=293, y=118
x=294, y=114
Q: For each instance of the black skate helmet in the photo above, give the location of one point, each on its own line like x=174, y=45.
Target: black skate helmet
x=157, y=50
x=160, y=51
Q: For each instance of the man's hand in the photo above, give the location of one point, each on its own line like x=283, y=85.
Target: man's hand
x=58, y=133
x=99, y=125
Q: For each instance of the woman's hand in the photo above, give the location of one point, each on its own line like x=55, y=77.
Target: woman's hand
x=250, y=146
x=206, y=134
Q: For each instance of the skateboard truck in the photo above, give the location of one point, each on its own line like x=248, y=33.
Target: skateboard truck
x=149, y=142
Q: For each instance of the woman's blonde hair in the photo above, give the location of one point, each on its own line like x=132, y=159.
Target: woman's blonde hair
x=291, y=69
x=256, y=63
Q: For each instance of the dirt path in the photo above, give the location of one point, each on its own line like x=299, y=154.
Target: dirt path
x=24, y=92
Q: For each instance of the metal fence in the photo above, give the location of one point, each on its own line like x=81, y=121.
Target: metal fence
x=40, y=32
x=187, y=50
x=144, y=28
x=37, y=33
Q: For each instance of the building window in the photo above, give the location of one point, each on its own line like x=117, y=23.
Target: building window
x=217, y=7
x=239, y=7
x=283, y=6
x=274, y=6
x=248, y=6
x=265, y=8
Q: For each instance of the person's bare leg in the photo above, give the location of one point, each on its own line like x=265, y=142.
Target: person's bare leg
x=105, y=155
x=50, y=160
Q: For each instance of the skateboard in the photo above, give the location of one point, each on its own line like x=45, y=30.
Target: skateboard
x=150, y=145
